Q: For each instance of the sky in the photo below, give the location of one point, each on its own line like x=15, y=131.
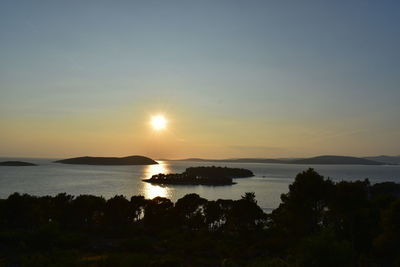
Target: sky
x=233, y=78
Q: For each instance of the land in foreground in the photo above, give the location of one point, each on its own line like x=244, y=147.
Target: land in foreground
x=319, y=223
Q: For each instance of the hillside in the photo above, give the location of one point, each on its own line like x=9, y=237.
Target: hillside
x=16, y=163
x=336, y=160
x=385, y=159
x=330, y=160
x=131, y=160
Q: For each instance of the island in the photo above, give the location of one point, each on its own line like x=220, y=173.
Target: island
x=391, y=160
x=130, y=160
x=201, y=176
x=319, y=160
x=336, y=160
x=16, y=163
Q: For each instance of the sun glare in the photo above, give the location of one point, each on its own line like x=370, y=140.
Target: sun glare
x=158, y=122
x=151, y=191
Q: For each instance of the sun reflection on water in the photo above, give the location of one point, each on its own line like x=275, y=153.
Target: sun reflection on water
x=151, y=191
x=161, y=167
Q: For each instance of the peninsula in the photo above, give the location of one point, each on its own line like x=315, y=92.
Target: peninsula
x=201, y=176
x=130, y=160
x=16, y=163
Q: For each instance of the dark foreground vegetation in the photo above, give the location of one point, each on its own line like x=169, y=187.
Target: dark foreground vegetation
x=319, y=223
x=201, y=176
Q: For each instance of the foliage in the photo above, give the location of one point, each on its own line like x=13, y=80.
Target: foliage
x=318, y=223
x=201, y=176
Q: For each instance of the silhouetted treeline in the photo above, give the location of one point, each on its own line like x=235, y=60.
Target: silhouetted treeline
x=210, y=175
x=318, y=223
x=213, y=171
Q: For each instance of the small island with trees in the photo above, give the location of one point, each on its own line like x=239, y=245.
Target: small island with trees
x=130, y=160
x=201, y=176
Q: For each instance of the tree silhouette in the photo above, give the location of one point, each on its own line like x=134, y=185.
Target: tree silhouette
x=138, y=204
x=303, y=208
x=157, y=213
x=87, y=211
x=318, y=223
x=213, y=215
x=386, y=245
x=245, y=213
x=350, y=213
x=118, y=212
x=189, y=210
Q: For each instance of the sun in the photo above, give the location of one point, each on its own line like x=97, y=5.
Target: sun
x=158, y=122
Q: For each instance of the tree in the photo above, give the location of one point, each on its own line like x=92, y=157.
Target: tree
x=138, y=203
x=213, y=215
x=157, y=212
x=323, y=249
x=303, y=208
x=245, y=213
x=87, y=211
x=387, y=244
x=118, y=212
x=189, y=210
x=350, y=214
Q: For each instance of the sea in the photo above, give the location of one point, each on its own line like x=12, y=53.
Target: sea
x=269, y=182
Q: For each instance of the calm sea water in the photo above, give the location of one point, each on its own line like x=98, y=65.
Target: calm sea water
x=270, y=181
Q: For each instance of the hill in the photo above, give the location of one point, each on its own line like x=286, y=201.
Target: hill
x=385, y=159
x=238, y=160
x=16, y=163
x=336, y=160
x=131, y=160
x=329, y=160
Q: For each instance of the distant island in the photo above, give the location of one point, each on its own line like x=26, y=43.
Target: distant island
x=16, y=163
x=320, y=160
x=392, y=160
x=201, y=176
x=131, y=160
x=336, y=160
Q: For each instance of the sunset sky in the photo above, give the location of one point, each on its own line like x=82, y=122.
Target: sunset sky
x=232, y=78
